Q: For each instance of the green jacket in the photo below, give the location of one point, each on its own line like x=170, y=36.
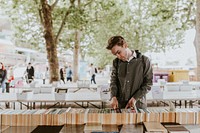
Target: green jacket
x=131, y=79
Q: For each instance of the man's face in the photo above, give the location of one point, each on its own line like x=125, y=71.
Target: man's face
x=120, y=52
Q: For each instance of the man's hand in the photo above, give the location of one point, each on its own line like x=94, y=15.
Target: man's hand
x=114, y=103
x=130, y=103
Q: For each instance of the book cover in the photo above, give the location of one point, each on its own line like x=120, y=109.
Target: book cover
x=175, y=127
x=154, y=127
x=90, y=127
x=132, y=128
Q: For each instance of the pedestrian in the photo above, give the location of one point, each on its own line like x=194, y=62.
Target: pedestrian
x=45, y=75
x=29, y=73
x=92, y=73
x=10, y=77
x=62, y=75
x=131, y=76
x=69, y=73
x=3, y=75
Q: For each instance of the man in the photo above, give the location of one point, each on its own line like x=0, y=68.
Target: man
x=3, y=75
x=62, y=72
x=69, y=73
x=131, y=76
x=29, y=73
x=92, y=73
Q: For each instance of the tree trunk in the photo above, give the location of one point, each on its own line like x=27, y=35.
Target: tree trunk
x=76, y=55
x=51, y=45
x=197, y=39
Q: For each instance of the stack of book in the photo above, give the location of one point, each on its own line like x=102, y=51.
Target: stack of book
x=60, y=116
x=128, y=116
x=3, y=128
x=175, y=128
x=104, y=116
x=34, y=117
x=94, y=116
x=110, y=116
x=187, y=116
x=77, y=116
x=153, y=115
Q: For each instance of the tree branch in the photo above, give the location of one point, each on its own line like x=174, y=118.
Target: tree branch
x=40, y=13
x=64, y=20
x=54, y=4
x=88, y=3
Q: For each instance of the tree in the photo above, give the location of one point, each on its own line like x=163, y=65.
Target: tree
x=197, y=38
x=51, y=39
x=47, y=14
x=147, y=25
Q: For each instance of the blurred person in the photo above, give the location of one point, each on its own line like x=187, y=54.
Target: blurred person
x=10, y=74
x=62, y=75
x=131, y=76
x=69, y=73
x=10, y=77
x=92, y=73
x=29, y=73
x=45, y=75
x=3, y=75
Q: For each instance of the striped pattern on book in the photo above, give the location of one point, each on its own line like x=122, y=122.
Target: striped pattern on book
x=128, y=117
x=187, y=116
x=77, y=116
x=154, y=127
x=34, y=117
x=60, y=116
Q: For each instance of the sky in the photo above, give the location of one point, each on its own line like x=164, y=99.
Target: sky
x=182, y=54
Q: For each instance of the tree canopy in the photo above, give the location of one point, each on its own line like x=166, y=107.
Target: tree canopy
x=154, y=25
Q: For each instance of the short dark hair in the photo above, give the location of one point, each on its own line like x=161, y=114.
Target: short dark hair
x=115, y=40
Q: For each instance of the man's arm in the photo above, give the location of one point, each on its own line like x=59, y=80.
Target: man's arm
x=114, y=79
x=113, y=84
x=147, y=81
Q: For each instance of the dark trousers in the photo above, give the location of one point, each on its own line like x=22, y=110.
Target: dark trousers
x=7, y=87
x=93, y=79
x=63, y=80
x=69, y=79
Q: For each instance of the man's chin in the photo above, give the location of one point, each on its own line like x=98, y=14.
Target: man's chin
x=123, y=59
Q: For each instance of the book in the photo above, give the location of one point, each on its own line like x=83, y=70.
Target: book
x=72, y=128
x=47, y=129
x=175, y=128
x=155, y=127
x=132, y=128
x=3, y=128
x=128, y=117
x=110, y=128
x=90, y=127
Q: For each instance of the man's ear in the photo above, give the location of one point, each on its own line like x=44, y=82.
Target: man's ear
x=125, y=45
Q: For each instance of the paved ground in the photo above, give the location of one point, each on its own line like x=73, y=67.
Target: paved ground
x=100, y=79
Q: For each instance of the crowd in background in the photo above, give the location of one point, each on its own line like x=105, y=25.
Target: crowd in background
x=30, y=72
